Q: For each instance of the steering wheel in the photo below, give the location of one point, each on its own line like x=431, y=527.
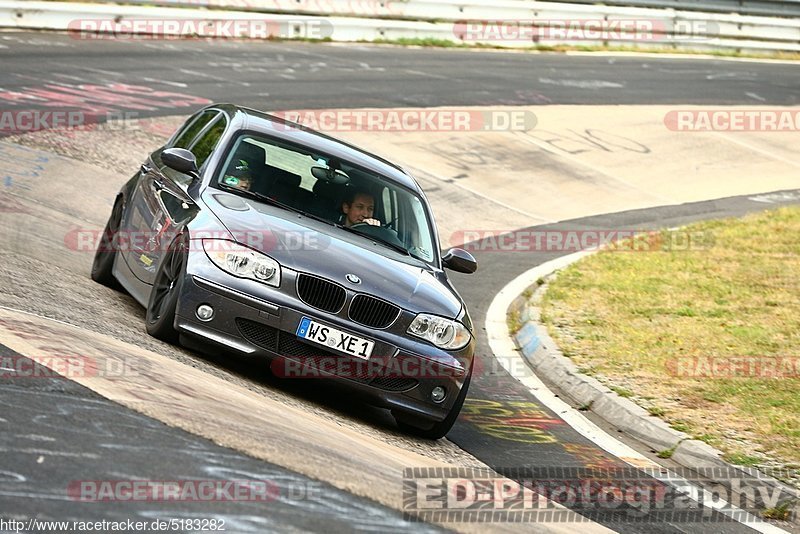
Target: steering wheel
x=363, y=224
x=386, y=225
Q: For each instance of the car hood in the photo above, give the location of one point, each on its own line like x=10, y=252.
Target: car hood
x=315, y=247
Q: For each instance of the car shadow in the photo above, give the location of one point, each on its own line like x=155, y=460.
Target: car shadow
x=328, y=394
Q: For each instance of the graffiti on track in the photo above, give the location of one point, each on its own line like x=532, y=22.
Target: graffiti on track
x=522, y=421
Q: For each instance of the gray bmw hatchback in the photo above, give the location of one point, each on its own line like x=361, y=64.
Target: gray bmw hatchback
x=253, y=234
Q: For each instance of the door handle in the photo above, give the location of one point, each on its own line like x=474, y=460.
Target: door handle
x=145, y=168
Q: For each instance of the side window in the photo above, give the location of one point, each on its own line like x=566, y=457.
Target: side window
x=203, y=147
x=190, y=132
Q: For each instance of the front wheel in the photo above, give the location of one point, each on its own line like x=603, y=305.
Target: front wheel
x=160, y=316
x=440, y=429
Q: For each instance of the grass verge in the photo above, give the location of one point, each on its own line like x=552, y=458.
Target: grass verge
x=707, y=339
x=432, y=42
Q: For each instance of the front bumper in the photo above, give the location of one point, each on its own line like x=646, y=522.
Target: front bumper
x=261, y=321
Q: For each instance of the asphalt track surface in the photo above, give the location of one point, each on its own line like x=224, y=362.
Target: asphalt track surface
x=301, y=76
x=281, y=75
x=59, y=432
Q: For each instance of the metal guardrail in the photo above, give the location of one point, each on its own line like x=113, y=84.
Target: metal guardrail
x=550, y=24
x=769, y=8
x=438, y=9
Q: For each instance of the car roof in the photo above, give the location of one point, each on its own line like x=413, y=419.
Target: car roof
x=271, y=125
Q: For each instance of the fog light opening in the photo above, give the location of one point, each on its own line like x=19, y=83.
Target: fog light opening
x=204, y=312
x=438, y=394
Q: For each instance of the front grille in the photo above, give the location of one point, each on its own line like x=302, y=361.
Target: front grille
x=259, y=334
x=394, y=383
x=291, y=346
x=373, y=312
x=313, y=357
x=320, y=293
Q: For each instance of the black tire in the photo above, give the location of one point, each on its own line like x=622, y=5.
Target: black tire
x=103, y=264
x=160, y=316
x=440, y=429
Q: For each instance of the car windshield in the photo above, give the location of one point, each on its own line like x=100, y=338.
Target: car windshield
x=331, y=190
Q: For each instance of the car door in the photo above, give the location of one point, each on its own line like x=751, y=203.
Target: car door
x=159, y=201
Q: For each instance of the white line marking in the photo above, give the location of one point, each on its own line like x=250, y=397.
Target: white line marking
x=166, y=82
x=504, y=349
x=772, y=198
x=427, y=74
x=68, y=77
x=203, y=75
x=37, y=437
x=52, y=497
x=582, y=84
x=101, y=71
x=756, y=97
x=91, y=455
x=723, y=75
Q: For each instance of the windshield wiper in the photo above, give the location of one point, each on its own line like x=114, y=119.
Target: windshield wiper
x=384, y=242
x=251, y=194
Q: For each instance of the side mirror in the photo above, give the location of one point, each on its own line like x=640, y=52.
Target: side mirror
x=181, y=160
x=460, y=260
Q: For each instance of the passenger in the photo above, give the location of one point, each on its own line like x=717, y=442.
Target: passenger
x=359, y=207
x=240, y=176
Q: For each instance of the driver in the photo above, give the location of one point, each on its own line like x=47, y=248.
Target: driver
x=359, y=207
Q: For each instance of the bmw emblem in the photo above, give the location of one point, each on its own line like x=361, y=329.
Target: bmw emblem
x=353, y=279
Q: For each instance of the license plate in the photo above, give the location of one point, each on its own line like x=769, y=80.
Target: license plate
x=335, y=339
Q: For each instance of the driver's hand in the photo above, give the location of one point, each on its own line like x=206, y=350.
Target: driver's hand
x=371, y=222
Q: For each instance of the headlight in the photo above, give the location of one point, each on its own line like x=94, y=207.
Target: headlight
x=243, y=262
x=444, y=333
